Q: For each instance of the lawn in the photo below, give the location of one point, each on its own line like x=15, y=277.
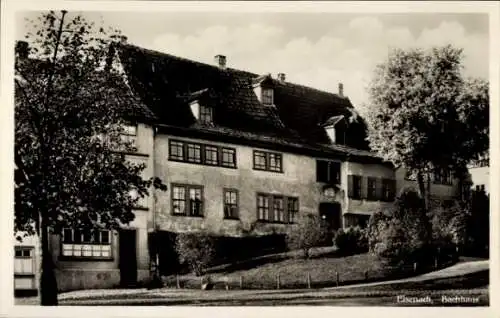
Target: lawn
x=293, y=272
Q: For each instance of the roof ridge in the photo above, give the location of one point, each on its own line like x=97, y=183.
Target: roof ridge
x=248, y=73
x=156, y=52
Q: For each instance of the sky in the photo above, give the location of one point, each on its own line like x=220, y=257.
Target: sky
x=314, y=49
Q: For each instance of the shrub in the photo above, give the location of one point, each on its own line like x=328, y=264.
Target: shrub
x=403, y=234
x=350, y=241
x=196, y=250
x=309, y=232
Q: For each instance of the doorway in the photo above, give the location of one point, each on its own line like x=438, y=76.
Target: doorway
x=331, y=215
x=128, y=258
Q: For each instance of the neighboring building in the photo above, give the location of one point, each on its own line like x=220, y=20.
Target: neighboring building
x=241, y=153
x=26, y=271
x=480, y=175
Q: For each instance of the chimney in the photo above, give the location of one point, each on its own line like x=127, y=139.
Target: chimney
x=281, y=77
x=220, y=61
x=341, y=90
x=22, y=49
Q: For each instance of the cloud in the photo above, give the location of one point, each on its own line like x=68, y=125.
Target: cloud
x=348, y=56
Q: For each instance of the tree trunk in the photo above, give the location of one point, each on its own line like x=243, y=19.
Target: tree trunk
x=428, y=193
x=422, y=188
x=48, y=282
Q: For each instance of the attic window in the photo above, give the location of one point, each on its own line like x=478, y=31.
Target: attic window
x=267, y=96
x=206, y=115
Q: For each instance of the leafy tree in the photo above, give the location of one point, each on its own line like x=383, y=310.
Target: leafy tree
x=196, y=250
x=69, y=111
x=309, y=232
x=402, y=234
x=425, y=115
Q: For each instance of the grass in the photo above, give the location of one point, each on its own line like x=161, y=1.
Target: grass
x=293, y=272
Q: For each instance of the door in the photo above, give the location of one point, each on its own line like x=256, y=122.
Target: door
x=331, y=215
x=128, y=258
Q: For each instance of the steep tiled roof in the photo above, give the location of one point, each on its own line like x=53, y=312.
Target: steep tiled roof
x=166, y=83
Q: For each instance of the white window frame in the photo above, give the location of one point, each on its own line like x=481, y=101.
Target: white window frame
x=86, y=248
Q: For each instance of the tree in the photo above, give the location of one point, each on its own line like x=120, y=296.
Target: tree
x=425, y=115
x=402, y=234
x=70, y=105
x=196, y=250
x=308, y=233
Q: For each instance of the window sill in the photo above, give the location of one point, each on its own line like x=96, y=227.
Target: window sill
x=85, y=259
x=235, y=218
x=202, y=164
x=142, y=208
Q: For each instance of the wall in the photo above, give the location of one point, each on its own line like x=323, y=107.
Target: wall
x=366, y=170
x=480, y=176
x=298, y=180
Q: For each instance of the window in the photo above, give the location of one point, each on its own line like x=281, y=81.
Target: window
x=354, y=187
x=275, y=162
x=267, y=161
x=230, y=204
x=228, y=157
x=179, y=200
x=278, y=209
x=284, y=209
x=194, y=153
x=206, y=114
x=480, y=187
x=292, y=209
x=93, y=244
x=267, y=96
x=372, y=189
x=259, y=160
x=328, y=171
x=129, y=134
x=262, y=207
x=187, y=200
x=202, y=154
x=211, y=156
x=23, y=260
x=176, y=150
x=388, y=189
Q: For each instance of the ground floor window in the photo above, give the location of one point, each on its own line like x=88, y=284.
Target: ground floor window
x=277, y=208
x=353, y=220
x=79, y=243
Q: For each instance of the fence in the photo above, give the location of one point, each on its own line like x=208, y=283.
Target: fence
x=303, y=280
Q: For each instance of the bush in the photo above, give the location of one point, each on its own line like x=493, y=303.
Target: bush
x=196, y=250
x=350, y=241
x=402, y=235
x=309, y=232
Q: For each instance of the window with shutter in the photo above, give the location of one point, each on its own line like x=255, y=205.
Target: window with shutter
x=350, y=186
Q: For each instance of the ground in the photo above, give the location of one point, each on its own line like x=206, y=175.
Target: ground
x=466, y=284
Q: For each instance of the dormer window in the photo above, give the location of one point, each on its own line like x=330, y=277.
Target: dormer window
x=206, y=114
x=263, y=87
x=202, y=113
x=335, y=129
x=267, y=96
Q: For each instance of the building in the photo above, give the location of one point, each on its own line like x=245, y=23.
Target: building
x=242, y=154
